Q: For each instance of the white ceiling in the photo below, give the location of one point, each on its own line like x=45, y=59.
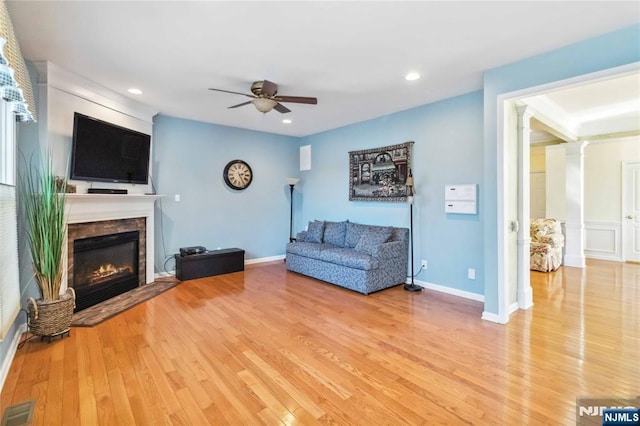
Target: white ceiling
x=603, y=107
x=352, y=56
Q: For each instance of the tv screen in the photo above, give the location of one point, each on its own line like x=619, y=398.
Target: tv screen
x=105, y=152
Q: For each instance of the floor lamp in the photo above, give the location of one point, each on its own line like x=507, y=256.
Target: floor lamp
x=292, y=182
x=410, y=191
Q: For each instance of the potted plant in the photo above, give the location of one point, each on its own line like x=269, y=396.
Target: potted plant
x=44, y=201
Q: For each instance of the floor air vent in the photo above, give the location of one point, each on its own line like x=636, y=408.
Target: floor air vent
x=18, y=415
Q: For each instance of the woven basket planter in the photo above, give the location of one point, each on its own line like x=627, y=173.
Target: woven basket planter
x=52, y=318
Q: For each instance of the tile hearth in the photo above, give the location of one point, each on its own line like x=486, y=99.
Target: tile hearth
x=109, y=308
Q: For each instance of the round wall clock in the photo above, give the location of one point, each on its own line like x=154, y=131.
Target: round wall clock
x=237, y=175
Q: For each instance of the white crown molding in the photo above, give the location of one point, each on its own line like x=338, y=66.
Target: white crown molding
x=543, y=109
x=52, y=75
x=542, y=104
x=622, y=123
x=604, y=119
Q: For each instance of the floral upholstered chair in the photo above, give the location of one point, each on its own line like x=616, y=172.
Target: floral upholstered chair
x=546, y=244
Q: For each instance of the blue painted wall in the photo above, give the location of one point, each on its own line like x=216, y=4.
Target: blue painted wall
x=596, y=54
x=189, y=158
x=448, y=138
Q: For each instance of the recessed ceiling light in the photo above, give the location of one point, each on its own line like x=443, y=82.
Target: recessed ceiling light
x=412, y=76
x=287, y=121
x=135, y=91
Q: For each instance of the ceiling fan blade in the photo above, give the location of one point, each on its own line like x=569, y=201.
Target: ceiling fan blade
x=297, y=99
x=268, y=88
x=239, y=105
x=235, y=93
x=281, y=109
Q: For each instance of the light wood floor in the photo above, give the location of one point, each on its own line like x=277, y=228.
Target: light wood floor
x=270, y=347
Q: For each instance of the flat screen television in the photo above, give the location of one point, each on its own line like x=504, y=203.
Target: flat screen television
x=104, y=152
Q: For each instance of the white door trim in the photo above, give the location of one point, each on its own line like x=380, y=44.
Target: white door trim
x=502, y=316
x=623, y=210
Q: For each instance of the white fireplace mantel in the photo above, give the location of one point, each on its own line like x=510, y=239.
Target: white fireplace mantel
x=82, y=208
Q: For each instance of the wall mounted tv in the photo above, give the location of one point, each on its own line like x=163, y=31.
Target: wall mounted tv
x=104, y=152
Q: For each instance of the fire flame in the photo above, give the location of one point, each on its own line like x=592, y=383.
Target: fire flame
x=109, y=269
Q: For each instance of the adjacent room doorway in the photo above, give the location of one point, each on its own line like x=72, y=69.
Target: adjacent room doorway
x=507, y=196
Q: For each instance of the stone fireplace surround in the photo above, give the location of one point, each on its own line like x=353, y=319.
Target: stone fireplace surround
x=111, y=209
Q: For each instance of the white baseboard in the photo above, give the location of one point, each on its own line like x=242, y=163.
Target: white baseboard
x=11, y=352
x=488, y=316
x=525, y=298
x=165, y=274
x=448, y=290
x=246, y=262
x=603, y=257
x=264, y=259
x=574, y=261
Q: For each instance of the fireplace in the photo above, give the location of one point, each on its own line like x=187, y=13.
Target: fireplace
x=104, y=267
x=106, y=258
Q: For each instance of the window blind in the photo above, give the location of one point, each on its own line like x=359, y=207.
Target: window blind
x=9, y=282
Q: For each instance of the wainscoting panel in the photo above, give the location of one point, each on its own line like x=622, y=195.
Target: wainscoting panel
x=603, y=240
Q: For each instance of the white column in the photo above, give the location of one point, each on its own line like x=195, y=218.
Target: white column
x=524, y=294
x=574, y=190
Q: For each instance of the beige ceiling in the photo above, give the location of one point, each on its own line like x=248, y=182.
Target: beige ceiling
x=352, y=56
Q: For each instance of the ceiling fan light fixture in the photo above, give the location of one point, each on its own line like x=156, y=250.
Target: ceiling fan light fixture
x=412, y=76
x=264, y=104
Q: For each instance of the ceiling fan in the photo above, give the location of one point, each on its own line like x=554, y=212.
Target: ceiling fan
x=265, y=97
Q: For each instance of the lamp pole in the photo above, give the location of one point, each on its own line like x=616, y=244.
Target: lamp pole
x=410, y=191
x=292, y=182
x=291, y=215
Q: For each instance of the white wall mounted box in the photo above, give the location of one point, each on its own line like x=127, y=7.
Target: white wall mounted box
x=461, y=199
x=460, y=207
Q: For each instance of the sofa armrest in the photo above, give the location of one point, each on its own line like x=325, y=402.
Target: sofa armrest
x=390, y=250
x=539, y=248
x=301, y=236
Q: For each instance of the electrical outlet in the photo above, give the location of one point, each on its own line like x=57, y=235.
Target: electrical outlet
x=471, y=273
x=423, y=264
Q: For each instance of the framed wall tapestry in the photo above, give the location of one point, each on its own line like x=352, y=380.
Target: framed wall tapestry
x=379, y=174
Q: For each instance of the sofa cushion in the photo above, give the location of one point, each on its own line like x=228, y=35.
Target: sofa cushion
x=349, y=258
x=353, y=233
x=305, y=249
x=373, y=236
x=334, y=233
x=315, y=232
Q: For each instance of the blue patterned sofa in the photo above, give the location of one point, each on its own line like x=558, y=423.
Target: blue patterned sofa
x=363, y=258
